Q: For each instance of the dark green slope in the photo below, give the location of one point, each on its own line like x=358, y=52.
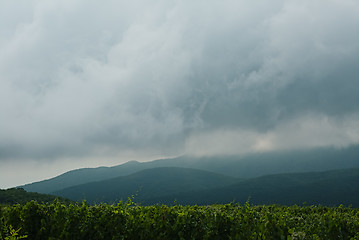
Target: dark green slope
x=249, y=166
x=19, y=195
x=81, y=176
x=146, y=184
x=325, y=188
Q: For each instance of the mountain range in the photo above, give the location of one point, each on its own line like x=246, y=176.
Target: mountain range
x=326, y=176
x=169, y=185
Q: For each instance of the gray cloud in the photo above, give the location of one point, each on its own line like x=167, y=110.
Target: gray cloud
x=82, y=79
x=307, y=131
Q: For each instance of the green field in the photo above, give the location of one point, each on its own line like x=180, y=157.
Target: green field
x=129, y=221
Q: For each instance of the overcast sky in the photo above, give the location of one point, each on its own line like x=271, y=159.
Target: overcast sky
x=85, y=83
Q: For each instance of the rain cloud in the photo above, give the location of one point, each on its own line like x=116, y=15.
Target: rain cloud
x=104, y=80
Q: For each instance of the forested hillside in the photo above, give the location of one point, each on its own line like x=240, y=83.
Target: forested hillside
x=189, y=186
x=20, y=196
x=146, y=184
x=331, y=188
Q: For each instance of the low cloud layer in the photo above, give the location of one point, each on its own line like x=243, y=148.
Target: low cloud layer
x=302, y=133
x=86, y=79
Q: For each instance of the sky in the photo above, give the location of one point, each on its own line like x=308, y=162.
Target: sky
x=87, y=83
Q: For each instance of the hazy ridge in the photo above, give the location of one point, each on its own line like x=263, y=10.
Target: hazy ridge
x=249, y=166
x=325, y=176
x=190, y=186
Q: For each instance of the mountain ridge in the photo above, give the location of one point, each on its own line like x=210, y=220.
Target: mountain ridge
x=191, y=186
x=148, y=182
x=248, y=166
x=330, y=188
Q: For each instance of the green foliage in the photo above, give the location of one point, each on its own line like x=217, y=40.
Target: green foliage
x=130, y=221
x=13, y=234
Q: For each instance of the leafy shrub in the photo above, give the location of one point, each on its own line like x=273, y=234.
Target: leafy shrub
x=130, y=221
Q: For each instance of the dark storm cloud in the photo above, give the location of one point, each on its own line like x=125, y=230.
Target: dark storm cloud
x=82, y=78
